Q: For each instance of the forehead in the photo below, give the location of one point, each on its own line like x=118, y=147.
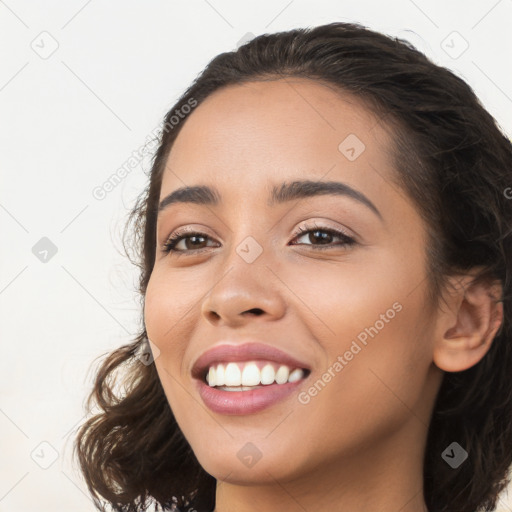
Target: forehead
x=277, y=130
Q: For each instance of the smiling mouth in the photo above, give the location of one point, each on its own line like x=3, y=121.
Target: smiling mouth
x=250, y=375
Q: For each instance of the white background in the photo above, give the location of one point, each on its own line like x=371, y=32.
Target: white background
x=70, y=120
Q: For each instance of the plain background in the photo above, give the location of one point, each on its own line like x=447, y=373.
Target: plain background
x=70, y=119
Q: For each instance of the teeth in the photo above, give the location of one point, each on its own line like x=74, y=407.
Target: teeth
x=250, y=375
x=268, y=374
x=220, y=373
x=245, y=376
x=282, y=374
x=212, y=376
x=232, y=376
x=296, y=375
x=237, y=388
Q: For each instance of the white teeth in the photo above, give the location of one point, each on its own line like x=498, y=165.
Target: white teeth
x=247, y=375
x=211, y=376
x=282, y=374
x=250, y=375
x=232, y=375
x=268, y=374
x=296, y=375
x=220, y=375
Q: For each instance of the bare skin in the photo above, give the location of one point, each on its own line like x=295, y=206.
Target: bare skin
x=358, y=443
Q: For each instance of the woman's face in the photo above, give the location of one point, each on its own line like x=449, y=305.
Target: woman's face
x=354, y=315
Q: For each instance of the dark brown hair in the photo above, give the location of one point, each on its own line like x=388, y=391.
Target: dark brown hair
x=450, y=157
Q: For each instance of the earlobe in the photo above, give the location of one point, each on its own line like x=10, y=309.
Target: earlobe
x=473, y=323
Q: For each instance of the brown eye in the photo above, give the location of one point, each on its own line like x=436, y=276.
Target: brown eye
x=187, y=242
x=324, y=237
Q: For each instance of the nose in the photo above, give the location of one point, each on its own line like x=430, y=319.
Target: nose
x=245, y=293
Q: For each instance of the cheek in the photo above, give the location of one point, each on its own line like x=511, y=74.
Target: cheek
x=168, y=326
x=167, y=308
x=356, y=401
x=155, y=303
x=341, y=299
x=370, y=322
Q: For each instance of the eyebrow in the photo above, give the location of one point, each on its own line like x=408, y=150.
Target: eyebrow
x=204, y=195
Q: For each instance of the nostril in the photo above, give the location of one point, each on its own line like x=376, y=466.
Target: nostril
x=255, y=311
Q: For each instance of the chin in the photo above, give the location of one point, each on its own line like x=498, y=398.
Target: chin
x=234, y=472
x=242, y=462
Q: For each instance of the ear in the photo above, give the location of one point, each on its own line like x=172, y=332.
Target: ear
x=466, y=331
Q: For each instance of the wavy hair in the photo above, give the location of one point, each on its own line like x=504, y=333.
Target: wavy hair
x=451, y=158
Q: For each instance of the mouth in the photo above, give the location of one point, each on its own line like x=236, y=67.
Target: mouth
x=245, y=379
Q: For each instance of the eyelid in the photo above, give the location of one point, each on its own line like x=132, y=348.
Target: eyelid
x=324, y=225
x=191, y=228
x=179, y=234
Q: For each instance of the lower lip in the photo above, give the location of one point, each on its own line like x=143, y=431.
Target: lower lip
x=245, y=402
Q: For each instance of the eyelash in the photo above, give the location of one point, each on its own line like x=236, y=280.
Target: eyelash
x=174, y=239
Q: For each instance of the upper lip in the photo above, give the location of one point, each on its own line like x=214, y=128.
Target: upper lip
x=226, y=353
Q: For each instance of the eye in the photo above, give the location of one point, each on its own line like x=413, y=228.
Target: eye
x=321, y=238
x=324, y=237
x=191, y=241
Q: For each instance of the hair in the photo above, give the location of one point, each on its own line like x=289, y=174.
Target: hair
x=453, y=161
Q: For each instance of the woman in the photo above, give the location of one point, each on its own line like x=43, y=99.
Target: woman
x=325, y=254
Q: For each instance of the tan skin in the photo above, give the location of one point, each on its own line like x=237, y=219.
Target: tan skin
x=358, y=445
